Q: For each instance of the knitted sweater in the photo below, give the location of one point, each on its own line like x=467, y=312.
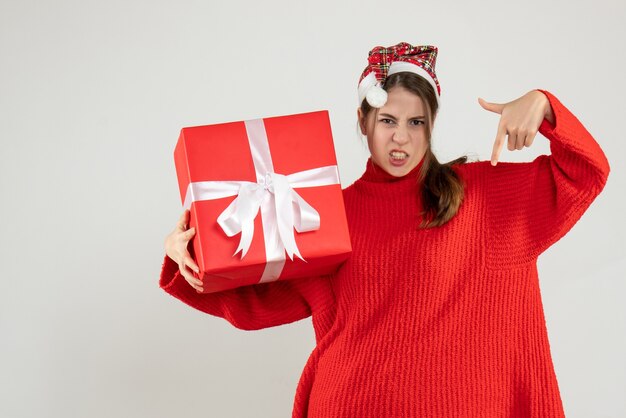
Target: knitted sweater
x=441, y=322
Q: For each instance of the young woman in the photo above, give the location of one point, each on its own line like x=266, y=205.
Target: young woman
x=438, y=311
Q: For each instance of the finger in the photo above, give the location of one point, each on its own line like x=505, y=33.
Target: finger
x=512, y=143
x=498, y=144
x=521, y=140
x=530, y=137
x=196, y=287
x=193, y=281
x=188, y=275
x=189, y=261
x=188, y=234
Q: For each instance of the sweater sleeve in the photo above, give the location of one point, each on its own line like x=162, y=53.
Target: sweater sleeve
x=256, y=306
x=532, y=205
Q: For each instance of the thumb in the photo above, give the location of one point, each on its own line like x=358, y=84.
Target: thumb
x=492, y=107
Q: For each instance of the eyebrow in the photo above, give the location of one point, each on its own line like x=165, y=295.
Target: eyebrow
x=392, y=116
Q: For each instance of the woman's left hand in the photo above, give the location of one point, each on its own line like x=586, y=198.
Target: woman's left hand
x=520, y=120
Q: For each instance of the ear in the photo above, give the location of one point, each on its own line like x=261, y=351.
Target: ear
x=359, y=116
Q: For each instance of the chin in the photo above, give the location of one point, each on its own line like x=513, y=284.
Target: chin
x=399, y=171
x=396, y=171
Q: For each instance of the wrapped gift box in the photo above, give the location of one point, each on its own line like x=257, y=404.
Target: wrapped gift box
x=265, y=198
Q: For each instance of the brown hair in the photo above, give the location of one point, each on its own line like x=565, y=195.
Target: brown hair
x=443, y=190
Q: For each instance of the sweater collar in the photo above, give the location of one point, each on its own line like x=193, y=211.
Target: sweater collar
x=375, y=181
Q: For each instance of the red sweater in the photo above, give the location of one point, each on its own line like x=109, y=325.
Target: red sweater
x=443, y=322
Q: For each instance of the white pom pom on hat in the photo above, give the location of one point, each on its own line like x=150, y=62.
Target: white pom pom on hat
x=384, y=61
x=376, y=96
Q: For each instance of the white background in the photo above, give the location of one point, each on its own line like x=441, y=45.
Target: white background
x=92, y=98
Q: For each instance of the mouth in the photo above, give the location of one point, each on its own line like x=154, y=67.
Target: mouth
x=398, y=155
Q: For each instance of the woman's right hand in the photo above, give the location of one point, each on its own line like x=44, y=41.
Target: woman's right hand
x=176, y=248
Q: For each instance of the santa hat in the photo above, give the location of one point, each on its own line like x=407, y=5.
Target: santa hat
x=384, y=61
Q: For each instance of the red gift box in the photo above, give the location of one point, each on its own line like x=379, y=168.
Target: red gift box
x=265, y=199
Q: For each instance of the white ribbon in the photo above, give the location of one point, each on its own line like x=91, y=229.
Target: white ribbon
x=282, y=208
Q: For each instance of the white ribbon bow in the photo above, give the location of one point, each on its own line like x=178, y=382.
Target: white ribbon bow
x=282, y=208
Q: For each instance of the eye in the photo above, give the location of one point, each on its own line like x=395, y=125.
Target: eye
x=418, y=121
x=384, y=120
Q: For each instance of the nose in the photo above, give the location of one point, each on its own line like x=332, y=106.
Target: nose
x=401, y=135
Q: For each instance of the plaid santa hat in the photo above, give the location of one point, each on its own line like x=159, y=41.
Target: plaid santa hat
x=384, y=61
